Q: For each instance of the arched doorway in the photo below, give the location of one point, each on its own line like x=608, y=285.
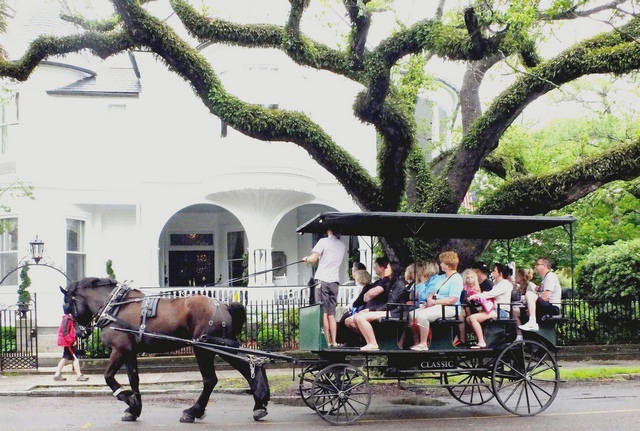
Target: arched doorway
x=202, y=245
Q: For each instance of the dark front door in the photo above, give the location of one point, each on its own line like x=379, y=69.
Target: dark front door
x=191, y=268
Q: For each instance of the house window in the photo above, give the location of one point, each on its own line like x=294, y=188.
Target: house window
x=9, y=249
x=8, y=117
x=235, y=256
x=76, y=257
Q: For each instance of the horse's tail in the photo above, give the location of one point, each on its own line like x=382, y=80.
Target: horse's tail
x=238, y=318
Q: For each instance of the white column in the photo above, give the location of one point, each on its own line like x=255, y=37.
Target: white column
x=259, y=262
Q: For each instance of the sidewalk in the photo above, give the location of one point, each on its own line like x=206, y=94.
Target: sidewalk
x=41, y=383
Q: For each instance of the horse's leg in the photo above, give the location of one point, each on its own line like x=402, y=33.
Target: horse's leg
x=209, y=380
x=135, y=399
x=258, y=383
x=116, y=360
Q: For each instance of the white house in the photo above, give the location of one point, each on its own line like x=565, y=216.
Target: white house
x=129, y=166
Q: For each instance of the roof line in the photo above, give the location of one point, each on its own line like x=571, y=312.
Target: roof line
x=69, y=66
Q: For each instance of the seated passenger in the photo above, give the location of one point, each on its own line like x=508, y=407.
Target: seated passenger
x=500, y=295
x=523, y=285
x=393, y=293
x=347, y=336
x=362, y=278
x=471, y=287
x=442, y=302
x=411, y=275
x=429, y=280
x=482, y=271
x=547, y=301
x=368, y=292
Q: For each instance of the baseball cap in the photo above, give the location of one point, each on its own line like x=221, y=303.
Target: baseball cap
x=481, y=266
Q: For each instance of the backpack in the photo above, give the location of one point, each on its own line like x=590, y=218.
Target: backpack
x=66, y=332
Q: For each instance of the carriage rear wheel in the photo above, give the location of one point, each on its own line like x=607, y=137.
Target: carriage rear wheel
x=525, y=378
x=471, y=385
x=341, y=393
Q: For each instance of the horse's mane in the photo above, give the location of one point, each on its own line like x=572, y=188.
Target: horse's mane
x=91, y=282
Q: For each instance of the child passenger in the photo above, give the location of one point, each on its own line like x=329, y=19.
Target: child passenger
x=501, y=296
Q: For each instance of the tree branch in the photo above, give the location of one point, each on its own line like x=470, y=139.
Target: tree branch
x=616, y=52
x=100, y=44
x=531, y=195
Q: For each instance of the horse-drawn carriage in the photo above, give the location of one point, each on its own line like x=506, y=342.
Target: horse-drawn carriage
x=522, y=375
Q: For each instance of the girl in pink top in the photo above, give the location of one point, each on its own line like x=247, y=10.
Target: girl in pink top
x=471, y=284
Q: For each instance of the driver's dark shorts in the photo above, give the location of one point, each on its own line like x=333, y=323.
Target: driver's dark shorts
x=68, y=353
x=327, y=295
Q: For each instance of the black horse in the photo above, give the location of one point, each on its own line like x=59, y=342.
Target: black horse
x=126, y=315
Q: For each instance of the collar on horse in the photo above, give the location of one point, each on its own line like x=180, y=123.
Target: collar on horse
x=109, y=311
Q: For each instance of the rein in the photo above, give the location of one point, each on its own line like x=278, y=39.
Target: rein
x=245, y=277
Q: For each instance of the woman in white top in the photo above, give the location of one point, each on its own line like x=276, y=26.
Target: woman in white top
x=501, y=296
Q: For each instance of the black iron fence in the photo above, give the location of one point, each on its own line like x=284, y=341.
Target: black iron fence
x=18, y=337
x=600, y=322
x=274, y=326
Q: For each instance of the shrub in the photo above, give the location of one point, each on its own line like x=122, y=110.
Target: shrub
x=8, y=342
x=94, y=348
x=611, y=272
x=269, y=338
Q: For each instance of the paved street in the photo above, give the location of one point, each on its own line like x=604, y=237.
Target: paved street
x=585, y=407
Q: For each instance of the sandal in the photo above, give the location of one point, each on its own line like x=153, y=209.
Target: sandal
x=418, y=348
x=479, y=346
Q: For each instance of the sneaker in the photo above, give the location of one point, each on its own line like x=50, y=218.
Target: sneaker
x=82, y=378
x=59, y=378
x=533, y=327
x=519, y=338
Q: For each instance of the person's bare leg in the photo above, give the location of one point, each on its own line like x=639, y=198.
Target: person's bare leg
x=61, y=365
x=333, y=328
x=477, y=329
x=76, y=366
x=325, y=327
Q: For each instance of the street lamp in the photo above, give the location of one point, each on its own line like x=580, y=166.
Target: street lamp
x=37, y=249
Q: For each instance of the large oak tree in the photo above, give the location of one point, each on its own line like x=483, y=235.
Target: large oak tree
x=483, y=35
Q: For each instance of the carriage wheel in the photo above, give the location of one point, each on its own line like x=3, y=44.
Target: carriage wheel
x=341, y=393
x=525, y=378
x=305, y=385
x=471, y=385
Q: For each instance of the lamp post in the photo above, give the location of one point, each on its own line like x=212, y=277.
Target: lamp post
x=37, y=249
x=35, y=256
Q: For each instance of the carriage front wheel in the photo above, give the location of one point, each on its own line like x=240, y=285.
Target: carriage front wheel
x=305, y=385
x=525, y=378
x=341, y=393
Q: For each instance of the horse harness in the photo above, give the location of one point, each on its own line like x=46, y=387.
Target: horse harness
x=149, y=309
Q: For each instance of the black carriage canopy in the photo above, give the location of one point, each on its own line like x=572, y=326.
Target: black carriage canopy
x=426, y=225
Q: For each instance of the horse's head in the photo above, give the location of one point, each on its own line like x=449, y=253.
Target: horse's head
x=82, y=300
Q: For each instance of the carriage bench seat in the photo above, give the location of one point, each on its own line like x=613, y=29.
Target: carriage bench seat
x=442, y=332
x=498, y=331
x=389, y=331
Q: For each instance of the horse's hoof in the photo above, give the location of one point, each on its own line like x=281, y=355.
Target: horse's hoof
x=187, y=419
x=128, y=417
x=259, y=414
